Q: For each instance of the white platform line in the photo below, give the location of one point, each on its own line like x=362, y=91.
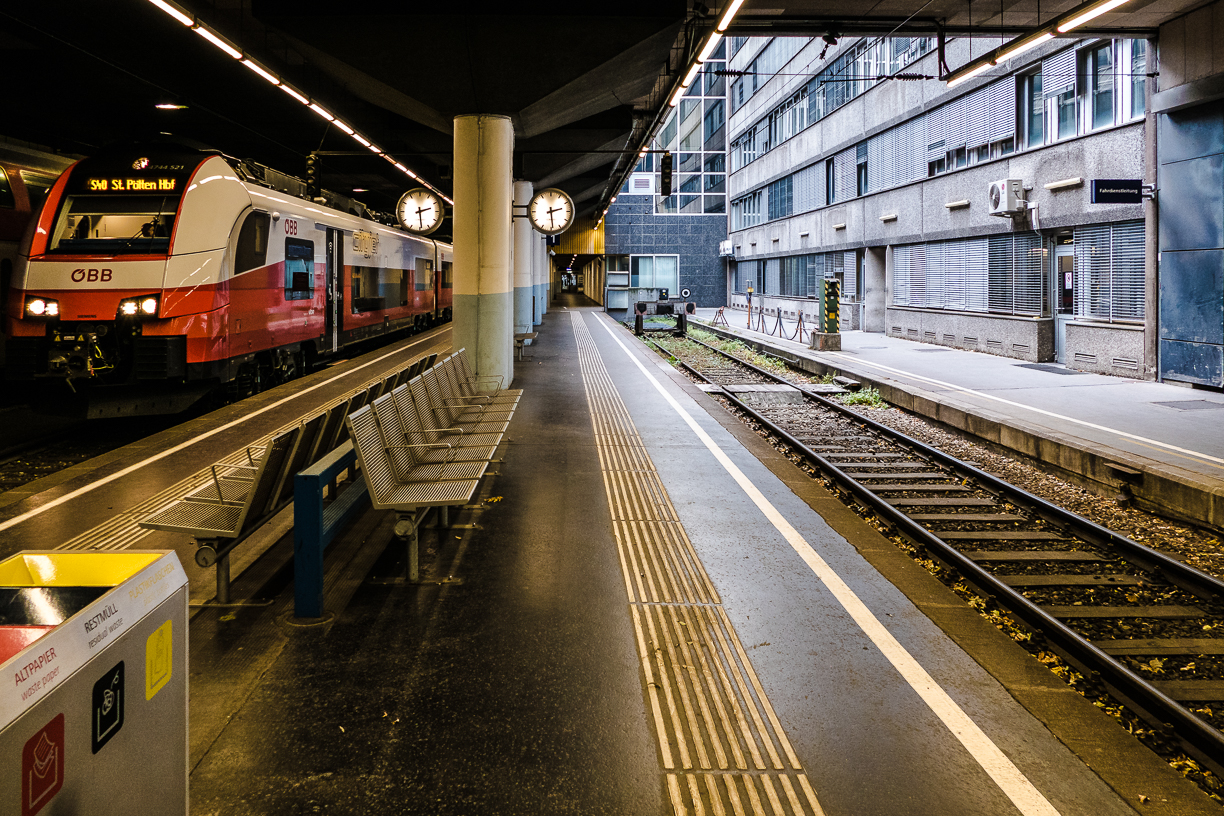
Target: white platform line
x=80, y=491
x=1134, y=437
x=989, y=756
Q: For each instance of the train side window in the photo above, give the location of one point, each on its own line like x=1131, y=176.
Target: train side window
x=37, y=187
x=7, y=201
x=424, y=274
x=447, y=279
x=299, y=269
x=252, y=250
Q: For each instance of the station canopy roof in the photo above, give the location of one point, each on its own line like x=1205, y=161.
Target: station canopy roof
x=584, y=84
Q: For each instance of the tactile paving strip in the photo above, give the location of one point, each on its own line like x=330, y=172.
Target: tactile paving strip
x=722, y=749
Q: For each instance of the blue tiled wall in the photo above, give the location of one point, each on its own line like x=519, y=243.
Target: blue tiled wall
x=1191, y=153
x=632, y=228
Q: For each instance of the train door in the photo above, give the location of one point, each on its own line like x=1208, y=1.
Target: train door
x=1064, y=294
x=333, y=293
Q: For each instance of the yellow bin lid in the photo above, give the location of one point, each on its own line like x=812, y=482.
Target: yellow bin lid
x=52, y=569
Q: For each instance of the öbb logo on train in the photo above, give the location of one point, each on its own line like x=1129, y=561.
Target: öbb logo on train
x=91, y=275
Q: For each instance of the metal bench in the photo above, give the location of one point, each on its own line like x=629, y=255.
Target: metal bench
x=238, y=499
x=467, y=379
x=395, y=483
x=521, y=341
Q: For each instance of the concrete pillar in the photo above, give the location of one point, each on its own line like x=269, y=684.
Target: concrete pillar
x=483, y=294
x=875, y=301
x=544, y=267
x=524, y=258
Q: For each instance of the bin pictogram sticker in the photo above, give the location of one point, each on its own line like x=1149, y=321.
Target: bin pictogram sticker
x=42, y=766
x=158, y=653
x=108, y=703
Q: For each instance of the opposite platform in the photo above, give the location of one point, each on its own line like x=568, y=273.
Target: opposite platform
x=1078, y=422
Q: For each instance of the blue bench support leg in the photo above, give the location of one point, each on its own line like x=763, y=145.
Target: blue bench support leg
x=314, y=527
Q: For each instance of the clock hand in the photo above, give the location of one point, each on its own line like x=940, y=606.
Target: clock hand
x=420, y=217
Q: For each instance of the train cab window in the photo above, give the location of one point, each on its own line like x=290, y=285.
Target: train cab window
x=7, y=201
x=299, y=269
x=115, y=224
x=252, y=250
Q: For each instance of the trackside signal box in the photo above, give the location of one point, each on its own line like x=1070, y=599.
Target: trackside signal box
x=93, y=683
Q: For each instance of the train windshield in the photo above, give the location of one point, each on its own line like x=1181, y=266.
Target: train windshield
x=115, y=224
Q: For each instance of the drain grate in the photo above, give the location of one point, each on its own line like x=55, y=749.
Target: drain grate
x=1191, y=405
x=1048, y=368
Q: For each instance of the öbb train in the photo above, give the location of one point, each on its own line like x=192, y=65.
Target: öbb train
x=152, y=276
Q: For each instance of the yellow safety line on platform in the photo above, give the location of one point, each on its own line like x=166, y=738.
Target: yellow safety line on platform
x=1010, y=779
x=710, y=712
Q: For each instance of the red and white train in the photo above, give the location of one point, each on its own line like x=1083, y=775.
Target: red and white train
x=154, y=274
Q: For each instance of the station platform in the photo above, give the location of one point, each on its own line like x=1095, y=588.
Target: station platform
x=648, y=611
x=1082, y=424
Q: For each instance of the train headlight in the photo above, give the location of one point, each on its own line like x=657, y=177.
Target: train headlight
x=40, y=307
x=139, y=307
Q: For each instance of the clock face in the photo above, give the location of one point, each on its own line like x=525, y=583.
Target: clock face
x=551, y=211
x=420, y=211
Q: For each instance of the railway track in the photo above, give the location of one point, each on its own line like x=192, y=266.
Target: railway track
x=1106, y=604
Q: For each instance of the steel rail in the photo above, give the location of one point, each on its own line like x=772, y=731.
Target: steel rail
x=1167, y=716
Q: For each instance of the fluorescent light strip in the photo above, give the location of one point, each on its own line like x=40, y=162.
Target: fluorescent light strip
x=270, y=77
x=259, y=70
x=675, y=100
x=1020, y=47
x=710, y=45
x=691, y=75
x=727, y=15
x=294, y=94
x=173, y=12
x=1090, y=14
x=217, y=41
x=970, y=74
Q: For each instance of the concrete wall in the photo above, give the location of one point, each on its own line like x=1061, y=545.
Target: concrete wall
x=1105, y=349
x=1023, y=338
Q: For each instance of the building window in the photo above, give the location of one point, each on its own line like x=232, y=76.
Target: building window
x=1032, y=111
x=830, y=182
x=655, y=272
x=1064, y=103
x=1138, y=77
x=1110, y=279
x=860, y=175
x=1100, y=65
x=781, y=198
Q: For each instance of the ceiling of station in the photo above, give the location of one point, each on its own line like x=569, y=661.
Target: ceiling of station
x=582, y=86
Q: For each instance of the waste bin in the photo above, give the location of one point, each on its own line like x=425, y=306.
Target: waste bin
x=93, y=683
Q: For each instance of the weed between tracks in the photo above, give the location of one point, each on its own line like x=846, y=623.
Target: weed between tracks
x=1089, y=688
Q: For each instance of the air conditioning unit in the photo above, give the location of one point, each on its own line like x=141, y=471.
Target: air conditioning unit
x=725, y=250
x=1007, y=197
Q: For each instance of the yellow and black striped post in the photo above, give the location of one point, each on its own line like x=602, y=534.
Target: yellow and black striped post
x=829, y=303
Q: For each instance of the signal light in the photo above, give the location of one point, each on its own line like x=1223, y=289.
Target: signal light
x=665, y=175
x=312, y=176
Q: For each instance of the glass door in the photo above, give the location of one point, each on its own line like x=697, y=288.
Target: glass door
x=1064, y=294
